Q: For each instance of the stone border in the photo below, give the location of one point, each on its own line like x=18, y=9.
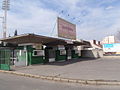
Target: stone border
x=52, y=78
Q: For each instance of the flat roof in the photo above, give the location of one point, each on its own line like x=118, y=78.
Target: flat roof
x=33, y=38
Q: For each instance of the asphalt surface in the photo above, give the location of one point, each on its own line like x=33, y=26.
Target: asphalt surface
x=13, y=82
x=106, y=68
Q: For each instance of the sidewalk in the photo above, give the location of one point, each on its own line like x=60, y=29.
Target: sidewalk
x=107, y=68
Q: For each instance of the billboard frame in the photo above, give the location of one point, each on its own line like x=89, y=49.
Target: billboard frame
x=68, y=23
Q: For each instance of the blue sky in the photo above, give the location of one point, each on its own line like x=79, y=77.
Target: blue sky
x=95, y=19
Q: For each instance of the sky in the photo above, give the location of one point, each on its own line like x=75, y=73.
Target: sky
x=94, y=19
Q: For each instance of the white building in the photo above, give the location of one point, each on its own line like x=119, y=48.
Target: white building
x=109, y=40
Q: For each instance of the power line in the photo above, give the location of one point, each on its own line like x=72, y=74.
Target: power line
x=61, y=12
x=68, y=15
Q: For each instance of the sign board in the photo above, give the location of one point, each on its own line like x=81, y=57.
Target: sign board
x=38, y=53
x=60, y=47
x=69, y=42
x=63, y=52
x=66, y=29
x=115, y=47
x=37, y=46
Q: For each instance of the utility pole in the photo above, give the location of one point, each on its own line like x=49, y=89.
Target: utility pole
x=5, y=7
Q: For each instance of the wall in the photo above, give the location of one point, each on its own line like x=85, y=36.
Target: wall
x=60, y=57
x=74, y=55
x=92, y=53
x=34, y=59
x=114, y=47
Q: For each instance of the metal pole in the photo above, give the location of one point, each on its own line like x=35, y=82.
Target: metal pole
x=5, y=22
x=5, y=7
x=2, y=23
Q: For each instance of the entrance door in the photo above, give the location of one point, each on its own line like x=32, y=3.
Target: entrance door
x=5, y=59
x=69, y=54
x=51, y=55
x=20, y=57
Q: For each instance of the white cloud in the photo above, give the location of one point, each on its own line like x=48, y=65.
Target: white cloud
x=31, y=16
x=109, y=7
x=34, y=19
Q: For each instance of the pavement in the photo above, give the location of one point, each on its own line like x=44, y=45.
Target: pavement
x=13, y=82
x=106, y=68
x=103, y=69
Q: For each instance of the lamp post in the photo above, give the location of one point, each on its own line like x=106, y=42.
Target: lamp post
x=5, y=7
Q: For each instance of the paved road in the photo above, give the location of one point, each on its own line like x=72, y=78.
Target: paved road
x=13, y=82
x=107, y=68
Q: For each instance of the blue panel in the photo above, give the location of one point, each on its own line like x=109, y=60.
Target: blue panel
x=108, y=45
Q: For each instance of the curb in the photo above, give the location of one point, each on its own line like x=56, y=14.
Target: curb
x=52, y=78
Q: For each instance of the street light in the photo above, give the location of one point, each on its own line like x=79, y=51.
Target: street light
x=5, y=7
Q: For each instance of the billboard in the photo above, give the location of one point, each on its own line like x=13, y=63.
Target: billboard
x=66, y=29
x=115, y=47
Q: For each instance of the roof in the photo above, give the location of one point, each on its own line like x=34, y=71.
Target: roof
x=33, y=38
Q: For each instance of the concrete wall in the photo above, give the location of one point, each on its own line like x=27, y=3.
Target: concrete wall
x=100, y=53
x=95, y=53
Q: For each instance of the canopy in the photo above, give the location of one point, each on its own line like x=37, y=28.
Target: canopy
x=45, y=40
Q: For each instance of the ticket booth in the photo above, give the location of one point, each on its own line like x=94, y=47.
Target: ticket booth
x=50, y=54
x=36, y=54
x=55, y=53
x=60, y=53
x=68, y=52
x=20, y=57
x=75, y=52
x=29, y=54
x=30, y=49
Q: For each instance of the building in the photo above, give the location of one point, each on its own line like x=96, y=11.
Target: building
x=109, y=39
x=29, y=49
x=94, y=50
x=111, y=46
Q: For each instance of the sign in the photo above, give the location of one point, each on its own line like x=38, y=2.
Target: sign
x=63, y=52
x=66, y=29
x=115, y=47
x=69, y=42
x=61, y=47
x=37, y=46
x=108, y=45
x=38, y=53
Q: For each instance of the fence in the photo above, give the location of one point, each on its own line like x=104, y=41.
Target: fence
x=5, y=58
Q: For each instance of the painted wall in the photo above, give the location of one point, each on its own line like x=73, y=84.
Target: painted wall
x=5, y=59
x=34, y=59
x=74, y=54
x=92, y=53
x=60, y=57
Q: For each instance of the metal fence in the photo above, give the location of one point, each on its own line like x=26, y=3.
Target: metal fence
x=5, y=58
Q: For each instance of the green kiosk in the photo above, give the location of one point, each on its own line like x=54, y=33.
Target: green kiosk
x=29, y=54
x=75, y=52
x=36, y=49
x=55, y=53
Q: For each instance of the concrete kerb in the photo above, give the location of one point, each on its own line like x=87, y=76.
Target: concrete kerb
x=80, y=81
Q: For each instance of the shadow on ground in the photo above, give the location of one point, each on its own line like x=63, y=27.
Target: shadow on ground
x=72, y=61
x=56, y=63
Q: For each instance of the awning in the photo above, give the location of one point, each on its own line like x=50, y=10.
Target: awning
x=33, y=38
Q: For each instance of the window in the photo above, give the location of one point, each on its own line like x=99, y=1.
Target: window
x=38, y=53
x=63, y=52
x=76, y=51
